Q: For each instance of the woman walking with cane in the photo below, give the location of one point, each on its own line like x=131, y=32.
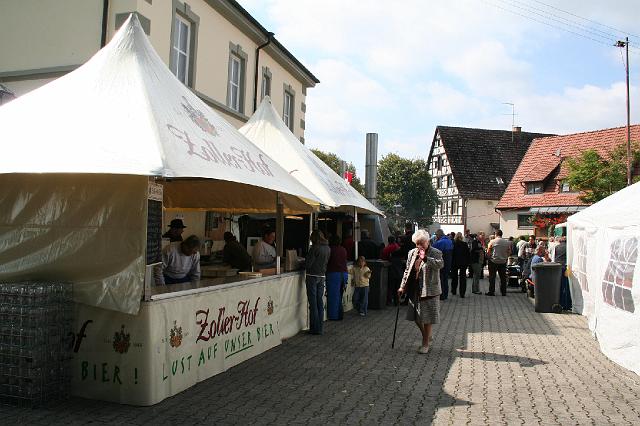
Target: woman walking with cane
x=421, y=283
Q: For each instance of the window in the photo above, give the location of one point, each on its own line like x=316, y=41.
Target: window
x=235, y=70
x=436, y=183
x=266, y=83
x=443, y=182
x=443, y=208
x=180, y=51
x=439, y=163
x=523, y=221
x=454, y=207
x=237, y=77
x=183, y=44
x=564, y=186
x=534, y=188
x=617, y=283
x=450, y=181
x=289, y=102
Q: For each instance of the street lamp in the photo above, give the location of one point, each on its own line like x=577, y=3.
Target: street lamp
x=625, y=44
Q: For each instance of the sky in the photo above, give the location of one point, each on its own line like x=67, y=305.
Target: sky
x=402, y=68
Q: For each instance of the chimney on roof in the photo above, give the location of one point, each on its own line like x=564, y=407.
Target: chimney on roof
x=517, y=129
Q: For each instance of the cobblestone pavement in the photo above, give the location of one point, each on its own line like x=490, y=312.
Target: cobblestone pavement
x=493, y=361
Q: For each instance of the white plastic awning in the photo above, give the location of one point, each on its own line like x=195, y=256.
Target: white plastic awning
x=124, y=112
x=269, y=133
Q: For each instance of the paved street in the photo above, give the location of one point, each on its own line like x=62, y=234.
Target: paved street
x=493, y=361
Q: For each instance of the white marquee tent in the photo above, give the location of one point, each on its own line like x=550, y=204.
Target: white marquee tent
x=603, y=255
x=77, y=157
x=267, y=131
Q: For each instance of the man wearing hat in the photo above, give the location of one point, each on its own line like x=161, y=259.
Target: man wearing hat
x=176, y=227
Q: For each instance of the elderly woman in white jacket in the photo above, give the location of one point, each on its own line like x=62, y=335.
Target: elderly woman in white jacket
x=421, y=283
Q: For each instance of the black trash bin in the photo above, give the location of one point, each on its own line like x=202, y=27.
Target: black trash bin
x=378, y=283
x=547, y=286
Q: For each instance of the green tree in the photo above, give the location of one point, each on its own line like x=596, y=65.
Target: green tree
x=405, y=192
x=596, y=176
x=333, y=161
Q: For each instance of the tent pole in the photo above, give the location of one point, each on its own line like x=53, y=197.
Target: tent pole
x=279, y=226
x=356, y=233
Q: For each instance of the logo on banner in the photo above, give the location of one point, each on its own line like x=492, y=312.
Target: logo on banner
x=121, y=341
x=269, y=306
x=175, y=335
x=199, y=118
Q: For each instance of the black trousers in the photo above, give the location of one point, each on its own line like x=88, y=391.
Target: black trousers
x=500, y=269
x=459, y=275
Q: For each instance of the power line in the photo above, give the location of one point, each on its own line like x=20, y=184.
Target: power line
x=563, y=21
x=563, y=27
x=587, y=19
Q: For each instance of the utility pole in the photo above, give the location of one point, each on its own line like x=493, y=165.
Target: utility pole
x=625, y=44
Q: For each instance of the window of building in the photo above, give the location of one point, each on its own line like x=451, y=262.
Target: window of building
x=534, y=188
x=443, y=182
x=237, y=77
x=184, y=36
x=439, y=163
x=564, y=186
x=454, y=207
x=234, y=83
x=266, y=83
x=436, y=183
x=182, y=30
x=523, y=221
x=443, y=208
x=288, y=105
x=449, y=181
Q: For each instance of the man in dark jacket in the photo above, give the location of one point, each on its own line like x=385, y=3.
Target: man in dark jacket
x=460, y=262
x=366, y=247
x=234, y=254
x=316, y=267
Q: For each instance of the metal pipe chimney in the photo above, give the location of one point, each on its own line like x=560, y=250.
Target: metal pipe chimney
x=371, y=169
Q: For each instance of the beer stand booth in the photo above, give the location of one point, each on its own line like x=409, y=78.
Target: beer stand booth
x=92, y=163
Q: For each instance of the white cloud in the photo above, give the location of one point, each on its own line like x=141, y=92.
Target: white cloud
x=401, y=68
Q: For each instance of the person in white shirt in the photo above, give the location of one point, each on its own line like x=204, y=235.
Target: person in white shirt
x=180, y=262
x=552, y=248
x=264, y=253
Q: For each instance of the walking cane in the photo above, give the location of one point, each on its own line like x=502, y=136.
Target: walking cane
x=395, y=327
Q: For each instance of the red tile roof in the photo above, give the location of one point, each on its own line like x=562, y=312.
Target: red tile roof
x=544, y=153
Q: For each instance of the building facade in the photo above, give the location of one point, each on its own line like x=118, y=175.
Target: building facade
x=538, y=196
x=470, y=169
x=213, y=46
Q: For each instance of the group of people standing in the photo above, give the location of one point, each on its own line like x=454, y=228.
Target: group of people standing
x=420, y=283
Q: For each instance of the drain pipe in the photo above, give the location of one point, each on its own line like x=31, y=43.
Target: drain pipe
x=105, y=17
x=255, y=75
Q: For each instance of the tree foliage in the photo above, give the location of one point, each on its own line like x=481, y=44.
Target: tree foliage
x=406, y=183
x=596, y=176
x=333, y=161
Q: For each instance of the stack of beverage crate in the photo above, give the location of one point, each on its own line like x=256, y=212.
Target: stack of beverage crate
x=35, y=346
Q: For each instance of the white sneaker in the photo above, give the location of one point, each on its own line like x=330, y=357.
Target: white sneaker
x=423, y=349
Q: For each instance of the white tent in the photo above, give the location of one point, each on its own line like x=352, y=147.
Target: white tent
x=124, y=112
x=267, y=130
x=603, y=255
x=76, y=158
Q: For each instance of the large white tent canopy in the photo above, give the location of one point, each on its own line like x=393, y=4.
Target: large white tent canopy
x=76, y=159
x=267, y=131
x=603, y=257
x=124, y=112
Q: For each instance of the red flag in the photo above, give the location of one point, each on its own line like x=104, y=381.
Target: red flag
x=348, y=176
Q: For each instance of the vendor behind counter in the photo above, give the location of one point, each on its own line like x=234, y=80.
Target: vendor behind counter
x=180, y=262
x=234, y=254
